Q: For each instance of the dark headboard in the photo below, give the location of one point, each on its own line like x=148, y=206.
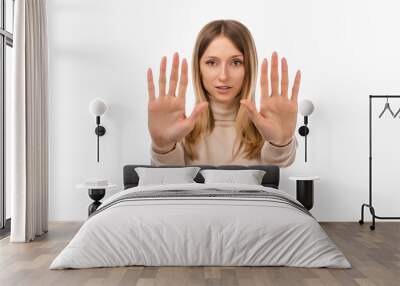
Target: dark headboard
x=270, y=179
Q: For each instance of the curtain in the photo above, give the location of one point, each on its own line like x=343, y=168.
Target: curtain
x=28, y=121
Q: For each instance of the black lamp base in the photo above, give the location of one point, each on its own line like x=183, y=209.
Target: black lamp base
x=303, y=130
x=100, y=130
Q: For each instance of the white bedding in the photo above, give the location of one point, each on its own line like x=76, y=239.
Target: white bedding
x=192, y=231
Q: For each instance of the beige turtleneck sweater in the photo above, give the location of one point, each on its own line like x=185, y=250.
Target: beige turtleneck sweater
x=216, y=148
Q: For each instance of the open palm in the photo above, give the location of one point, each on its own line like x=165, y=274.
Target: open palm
x=167, y=120
x=277, y=118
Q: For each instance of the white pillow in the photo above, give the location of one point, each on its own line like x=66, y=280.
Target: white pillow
x=249, y=177
x=162, y=176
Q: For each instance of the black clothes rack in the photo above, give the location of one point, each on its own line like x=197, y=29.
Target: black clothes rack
x=370, y=206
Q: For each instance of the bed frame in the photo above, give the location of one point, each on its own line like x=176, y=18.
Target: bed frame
x=270, y=179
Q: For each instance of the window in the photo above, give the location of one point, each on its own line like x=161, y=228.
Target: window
x=6, y=44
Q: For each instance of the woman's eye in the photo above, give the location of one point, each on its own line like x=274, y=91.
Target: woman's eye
x=236, y=63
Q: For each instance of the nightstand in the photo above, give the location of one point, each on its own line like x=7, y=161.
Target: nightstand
x=96, y=193
x=305, y=190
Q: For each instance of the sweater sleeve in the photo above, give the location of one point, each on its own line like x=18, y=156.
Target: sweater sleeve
x=174, y=157
x=280, y=156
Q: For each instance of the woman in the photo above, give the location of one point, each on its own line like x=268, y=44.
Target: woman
x=224, y=127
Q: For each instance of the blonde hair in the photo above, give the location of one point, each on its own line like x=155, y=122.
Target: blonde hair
x=247, y=134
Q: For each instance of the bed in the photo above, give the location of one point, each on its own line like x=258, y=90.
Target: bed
x=201, y=224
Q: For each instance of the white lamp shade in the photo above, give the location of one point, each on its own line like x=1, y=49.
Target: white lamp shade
x=306, y=107
x=97, y=107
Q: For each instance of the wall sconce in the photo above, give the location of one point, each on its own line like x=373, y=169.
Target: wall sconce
x=306, y=108
x=97, y=107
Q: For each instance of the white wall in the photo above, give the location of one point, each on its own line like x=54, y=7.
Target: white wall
x=346, y=50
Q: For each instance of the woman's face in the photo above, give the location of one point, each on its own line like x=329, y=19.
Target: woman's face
x=222, y=70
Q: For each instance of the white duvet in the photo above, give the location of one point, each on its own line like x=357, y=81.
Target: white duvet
x=200, y=231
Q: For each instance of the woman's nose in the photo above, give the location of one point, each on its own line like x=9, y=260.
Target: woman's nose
x=223, y=73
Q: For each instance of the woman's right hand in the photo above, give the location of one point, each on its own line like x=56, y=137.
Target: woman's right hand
x=167, y=121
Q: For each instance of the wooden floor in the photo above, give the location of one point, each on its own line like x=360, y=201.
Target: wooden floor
x=374, y=255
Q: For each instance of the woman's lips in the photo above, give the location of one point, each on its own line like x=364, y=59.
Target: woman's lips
x=223, y=90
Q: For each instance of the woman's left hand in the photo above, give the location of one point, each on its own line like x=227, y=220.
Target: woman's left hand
x=277, y=118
